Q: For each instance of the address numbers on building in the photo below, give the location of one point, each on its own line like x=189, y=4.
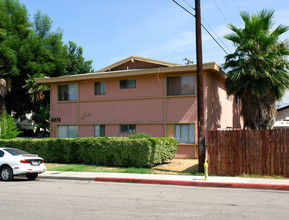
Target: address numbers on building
x=55, y=119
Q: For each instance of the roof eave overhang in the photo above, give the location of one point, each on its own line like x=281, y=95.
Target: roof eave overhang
x=100, y=75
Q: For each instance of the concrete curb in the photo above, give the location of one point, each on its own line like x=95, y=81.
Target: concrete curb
x=67, y=178
x=179, y=182
x=195, y=183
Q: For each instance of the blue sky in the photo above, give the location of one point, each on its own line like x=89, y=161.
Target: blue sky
x=109, y=31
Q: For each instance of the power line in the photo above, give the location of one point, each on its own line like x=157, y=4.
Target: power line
x=216, y=35
x=221, y=11
x=214, y=39
x=230, y=11
x=201, y=24
x=237, y=5
x=184, y=8
x=209, y=27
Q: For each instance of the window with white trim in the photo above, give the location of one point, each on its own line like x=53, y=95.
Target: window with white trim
x=68, y=92
x=185, y=133
x=67, y=131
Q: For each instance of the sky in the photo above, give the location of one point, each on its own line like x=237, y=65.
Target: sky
x=112, y=30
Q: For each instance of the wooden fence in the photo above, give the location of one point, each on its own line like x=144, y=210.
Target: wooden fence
x=264, y=152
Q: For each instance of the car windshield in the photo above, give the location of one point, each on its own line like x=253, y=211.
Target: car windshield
x=15, y=151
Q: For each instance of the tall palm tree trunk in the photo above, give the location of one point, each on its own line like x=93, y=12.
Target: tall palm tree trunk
x=258, y=111
x=5, y=87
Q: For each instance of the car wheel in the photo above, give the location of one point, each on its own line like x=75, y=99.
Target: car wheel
x=6, y=174
x=32, y=176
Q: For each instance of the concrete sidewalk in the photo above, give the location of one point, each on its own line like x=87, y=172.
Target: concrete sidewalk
x=185, y=180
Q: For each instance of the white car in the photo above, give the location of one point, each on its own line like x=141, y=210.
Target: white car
x=18, y=162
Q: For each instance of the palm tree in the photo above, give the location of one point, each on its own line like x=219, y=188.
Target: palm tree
x=258, y=69
x=36, y=90
x=5, y=87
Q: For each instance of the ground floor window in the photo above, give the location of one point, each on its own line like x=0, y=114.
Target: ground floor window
x=99, y=130
x=185, y=133
x=127, y=128
x=67, y=131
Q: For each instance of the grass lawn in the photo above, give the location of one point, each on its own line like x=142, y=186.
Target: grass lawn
x=160, y=169
x=91, y=168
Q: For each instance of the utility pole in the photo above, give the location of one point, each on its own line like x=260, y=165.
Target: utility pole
x=200, y=89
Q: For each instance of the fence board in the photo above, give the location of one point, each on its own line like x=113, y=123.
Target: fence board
x=265, y=161
x=237, y=150
x=249, y=152
x=283, y=154
x=271, y=152
x=287, y=152
x=264, y=152
x=216, y=150
x=258, y=156
x=276, y=153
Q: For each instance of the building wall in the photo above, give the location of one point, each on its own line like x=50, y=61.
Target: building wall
x=221, y=111
x=282, y=114
x=147, y=106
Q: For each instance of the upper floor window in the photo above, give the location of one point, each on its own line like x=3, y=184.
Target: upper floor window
x=70, y=131
x=127, y=84
x=181, y=85
x=68, y=92
x=99, y=88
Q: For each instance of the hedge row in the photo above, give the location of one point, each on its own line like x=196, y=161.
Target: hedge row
x=107, y=151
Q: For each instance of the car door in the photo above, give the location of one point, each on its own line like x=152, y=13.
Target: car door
x=1, y=157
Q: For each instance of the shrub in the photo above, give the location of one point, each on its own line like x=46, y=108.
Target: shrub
x=8, y=128
x=139, y=135
x=164, y=149
x=115, y=151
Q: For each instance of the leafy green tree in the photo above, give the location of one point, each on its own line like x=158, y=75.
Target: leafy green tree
x=8, y=127
x=14, y=28
x=77, y=63
x=29, y=50
x=42, y=24
x=258, y=69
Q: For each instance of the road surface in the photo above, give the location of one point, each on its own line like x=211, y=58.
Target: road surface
x=69, y=199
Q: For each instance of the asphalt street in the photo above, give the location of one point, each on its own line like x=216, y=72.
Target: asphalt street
x=71, y=199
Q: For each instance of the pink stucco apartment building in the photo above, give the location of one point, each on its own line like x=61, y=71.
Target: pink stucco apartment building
x=140, y=95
